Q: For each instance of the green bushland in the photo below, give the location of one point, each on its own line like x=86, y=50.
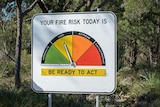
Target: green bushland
x=141, y=87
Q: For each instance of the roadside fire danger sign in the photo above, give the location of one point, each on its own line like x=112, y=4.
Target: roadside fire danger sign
x=74, y=52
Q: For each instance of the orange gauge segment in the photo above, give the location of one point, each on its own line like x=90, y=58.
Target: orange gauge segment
x=80, y=45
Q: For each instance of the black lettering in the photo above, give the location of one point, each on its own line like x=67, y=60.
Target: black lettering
x=74, y=21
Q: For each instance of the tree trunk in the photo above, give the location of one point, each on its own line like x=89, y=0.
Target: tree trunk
x=18, y=45
x=150, y=60
x=19, y=36
x=134, y=53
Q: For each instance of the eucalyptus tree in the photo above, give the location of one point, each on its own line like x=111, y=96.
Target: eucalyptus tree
x=20, y=8
x=20, y=15
x=140, y=32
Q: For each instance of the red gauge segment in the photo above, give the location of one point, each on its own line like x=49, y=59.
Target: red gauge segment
x=90, y=57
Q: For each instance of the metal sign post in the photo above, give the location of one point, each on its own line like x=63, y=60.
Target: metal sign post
x=97, y=100
x=97, y=96
x=49, y=100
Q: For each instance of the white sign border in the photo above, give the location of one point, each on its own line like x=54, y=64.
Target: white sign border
x=115, y=49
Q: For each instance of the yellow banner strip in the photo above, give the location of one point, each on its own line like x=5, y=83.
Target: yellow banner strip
x=72, y=72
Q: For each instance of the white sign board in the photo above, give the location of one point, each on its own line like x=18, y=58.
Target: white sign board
x=74, y=52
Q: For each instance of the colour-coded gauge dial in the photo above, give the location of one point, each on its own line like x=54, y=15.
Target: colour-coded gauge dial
x=74, y=48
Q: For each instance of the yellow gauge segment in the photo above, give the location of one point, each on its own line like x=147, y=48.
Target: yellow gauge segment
x=59, y=44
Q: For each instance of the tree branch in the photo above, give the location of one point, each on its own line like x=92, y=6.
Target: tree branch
x=88, y=6
x=30, y=7
x=6, y=52
x=41, y=5
x=19, y=2
x=82, y=3
x=101, y=4
x=65, y=7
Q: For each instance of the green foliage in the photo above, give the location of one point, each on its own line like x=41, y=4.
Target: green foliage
x=26, y=41
x=122, y=88
x=120, y=53
x=135, y=8
x=139, y=25
x=61, y=100
x=6, y=69
x=7, y=38
x=124, y=73
x=148, y=100
x=149, y=82
x=24, y=97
